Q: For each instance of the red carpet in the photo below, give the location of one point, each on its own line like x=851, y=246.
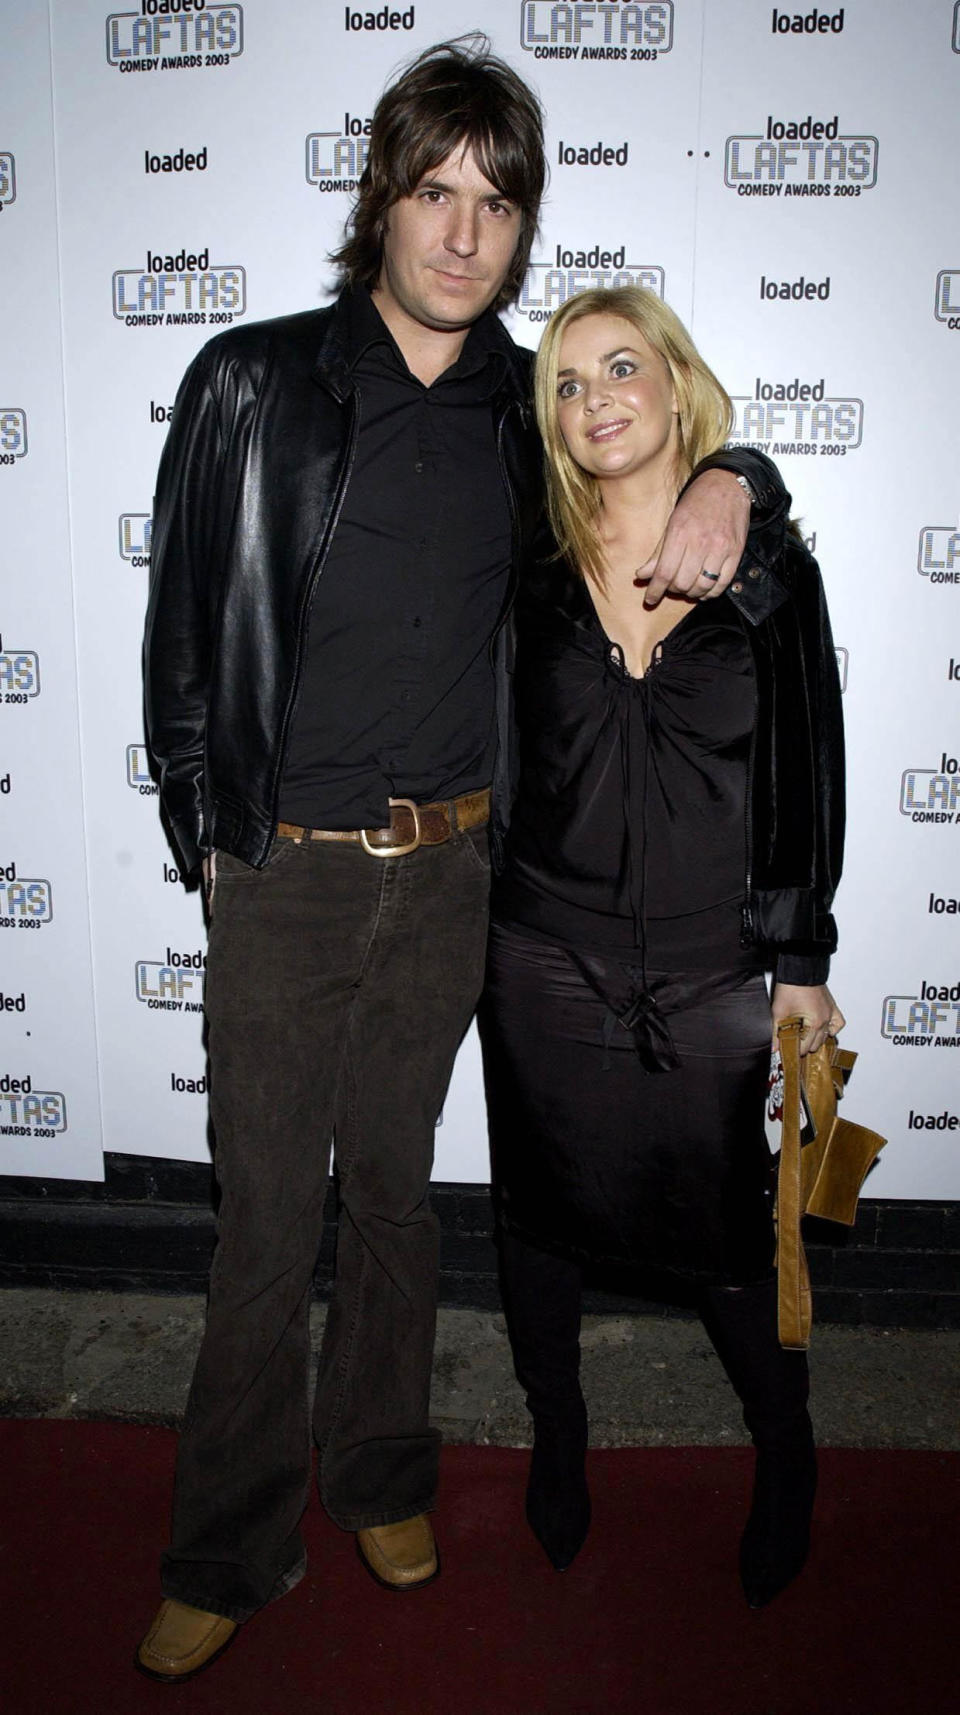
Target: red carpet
x=649, y=1621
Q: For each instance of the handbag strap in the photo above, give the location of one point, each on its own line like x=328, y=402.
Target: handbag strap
x=793, y=1278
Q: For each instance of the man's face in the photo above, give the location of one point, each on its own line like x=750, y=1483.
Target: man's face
x=447, y=248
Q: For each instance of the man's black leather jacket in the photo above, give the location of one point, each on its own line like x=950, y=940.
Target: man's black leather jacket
x=248, y=493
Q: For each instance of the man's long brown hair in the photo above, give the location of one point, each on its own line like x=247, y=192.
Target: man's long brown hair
x=455, y=95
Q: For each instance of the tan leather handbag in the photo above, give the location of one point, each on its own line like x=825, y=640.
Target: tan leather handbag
x=820, y=1177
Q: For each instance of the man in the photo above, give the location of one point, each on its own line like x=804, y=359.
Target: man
x=342, y=504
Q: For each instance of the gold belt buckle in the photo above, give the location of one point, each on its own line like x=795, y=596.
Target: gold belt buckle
x=396, y=851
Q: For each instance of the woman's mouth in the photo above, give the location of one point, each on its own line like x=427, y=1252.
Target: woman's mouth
x=608, y=431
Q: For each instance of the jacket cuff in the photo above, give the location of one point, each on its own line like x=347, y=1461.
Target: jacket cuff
x=772, y=503
x=802, y=970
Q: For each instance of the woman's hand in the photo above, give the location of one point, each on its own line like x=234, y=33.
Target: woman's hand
x=816, y=1006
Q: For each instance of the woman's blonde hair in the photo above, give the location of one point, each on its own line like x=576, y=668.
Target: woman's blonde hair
x=705, y=414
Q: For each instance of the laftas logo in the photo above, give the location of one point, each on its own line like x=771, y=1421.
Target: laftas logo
x=174, y=35
x=930, y=1019
x=547, y=285
x=335, y=159
x=135, y=530
x=138, y=771
x=948, y=297
x=932, y=795
x=8, y=179
x=19, y=674
x=938, y=557
x=25, y=903
x=26, y=1112
x=799, y=417
x=13, y=434
x=596, y=30
x=180, y=290
x=173, y=984
x=800, y=158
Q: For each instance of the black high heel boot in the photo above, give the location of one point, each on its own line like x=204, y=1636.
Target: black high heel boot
x=773, y=1387
x=541, y=1300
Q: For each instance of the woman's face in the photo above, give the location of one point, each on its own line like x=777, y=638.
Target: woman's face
x=616, y=406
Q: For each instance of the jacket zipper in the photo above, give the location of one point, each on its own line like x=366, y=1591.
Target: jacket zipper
x=351, y=448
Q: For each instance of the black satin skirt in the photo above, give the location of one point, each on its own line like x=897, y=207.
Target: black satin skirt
x=620, y=1139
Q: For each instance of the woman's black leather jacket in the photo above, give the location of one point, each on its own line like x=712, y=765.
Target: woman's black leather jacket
x=795, y=781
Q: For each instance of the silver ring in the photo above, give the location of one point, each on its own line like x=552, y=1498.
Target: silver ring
x=713, y=576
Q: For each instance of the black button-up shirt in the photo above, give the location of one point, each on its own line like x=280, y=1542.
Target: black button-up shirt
x=396, y=692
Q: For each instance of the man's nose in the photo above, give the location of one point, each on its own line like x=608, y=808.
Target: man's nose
x=461, y=235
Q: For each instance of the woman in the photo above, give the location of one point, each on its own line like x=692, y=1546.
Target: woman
x=676, y=831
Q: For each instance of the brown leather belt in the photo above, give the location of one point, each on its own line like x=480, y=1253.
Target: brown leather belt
x=411, y=825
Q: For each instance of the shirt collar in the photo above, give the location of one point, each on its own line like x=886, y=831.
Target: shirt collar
x=483, y=353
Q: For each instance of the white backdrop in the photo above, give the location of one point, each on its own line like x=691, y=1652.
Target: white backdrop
x=786, y=178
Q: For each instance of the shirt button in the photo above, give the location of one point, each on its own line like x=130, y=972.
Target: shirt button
x=754, y=572
x=736, y=588
x=418, y=467
x=417, y=623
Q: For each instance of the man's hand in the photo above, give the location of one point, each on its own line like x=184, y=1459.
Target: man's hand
x=707, y=532
x=816, y=1006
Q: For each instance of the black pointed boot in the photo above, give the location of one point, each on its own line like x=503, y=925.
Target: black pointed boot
x=773, y=1387
x=541, y=1300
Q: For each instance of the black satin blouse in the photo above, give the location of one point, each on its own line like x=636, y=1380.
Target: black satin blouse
x=629, y=829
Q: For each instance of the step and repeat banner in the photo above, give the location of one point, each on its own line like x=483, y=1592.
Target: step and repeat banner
x=785, y=178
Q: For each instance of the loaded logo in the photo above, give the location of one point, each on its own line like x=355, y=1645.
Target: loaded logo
x=385, y=19
x=138, y=771
x=547, y=285
x=179, y=290
x=930, y=1019
x=19, y=674
x=800, y=158
x=8, y=178
x=593, y=154
x=843, y=664
x=13, y=434
x=136, y=530
x=24, y=904
x=178, y=163
x=813, y=24
x=948, y=297
x=187, y=1086
x=26, y=1112
x=794, y=291
x=174, y=35
x=943, y=905
x=172, y=984
x=335, y=159
x=596, y=30
x=932, y=794
x=938, y=557
x=796, y=416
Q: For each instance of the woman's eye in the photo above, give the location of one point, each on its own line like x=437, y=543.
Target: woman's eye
x=622, y=369
x=566, y=389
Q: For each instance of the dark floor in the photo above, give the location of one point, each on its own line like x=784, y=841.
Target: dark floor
x=649, y=1380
